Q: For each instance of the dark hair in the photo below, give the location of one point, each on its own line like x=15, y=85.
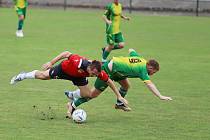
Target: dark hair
x=96, y=64
x=154, y=64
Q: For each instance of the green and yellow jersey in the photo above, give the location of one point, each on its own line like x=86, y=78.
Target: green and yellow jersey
x=20, y=3
x=133, y=66
x=113, y=12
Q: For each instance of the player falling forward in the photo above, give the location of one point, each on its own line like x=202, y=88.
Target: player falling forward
x=114, y=36
x=20, y=7
x=74, y=68
x=120, y=69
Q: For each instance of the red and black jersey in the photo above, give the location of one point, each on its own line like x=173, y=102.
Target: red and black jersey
x=72, y=66
x=76, y=66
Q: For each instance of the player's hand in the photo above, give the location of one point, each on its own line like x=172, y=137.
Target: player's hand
x=165, y=98
x=127, y=18
x=125, y=102
x=47, y=66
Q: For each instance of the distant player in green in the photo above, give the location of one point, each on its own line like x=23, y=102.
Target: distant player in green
x=114, y=37
x=20, y=7
x=119, y=69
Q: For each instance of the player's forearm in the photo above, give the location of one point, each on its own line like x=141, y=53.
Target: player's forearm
x=105, y=19
x=154, y=90
x=125, y=17
x=114, y=88
x=122, y=16
x=61, y=56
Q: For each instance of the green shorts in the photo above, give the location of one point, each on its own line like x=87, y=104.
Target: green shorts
x=111, y=39
x=21, y=11
x=114, y=75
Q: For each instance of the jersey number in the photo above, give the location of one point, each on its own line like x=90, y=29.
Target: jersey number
x=134, y=60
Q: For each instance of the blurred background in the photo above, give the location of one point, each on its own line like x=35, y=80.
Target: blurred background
x=185, y=7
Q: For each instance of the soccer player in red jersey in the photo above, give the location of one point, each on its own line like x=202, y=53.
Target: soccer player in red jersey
x=74, y=68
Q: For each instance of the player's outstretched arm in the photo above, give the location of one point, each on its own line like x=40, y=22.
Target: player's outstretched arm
x=61, y=56
x=125, y=17
x=115, y=90
x=156, y=92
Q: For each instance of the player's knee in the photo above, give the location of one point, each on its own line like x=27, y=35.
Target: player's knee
x=21, y=17
x=42, y=75
x=110, y=47
x=126, y=86
x=121, y=45
x=94, y=95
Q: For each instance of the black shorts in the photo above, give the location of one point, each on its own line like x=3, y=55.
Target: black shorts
x=57, y=73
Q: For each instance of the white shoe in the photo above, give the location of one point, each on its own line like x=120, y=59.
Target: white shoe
x=69, y=94
x=17, y=78
x=19, y=33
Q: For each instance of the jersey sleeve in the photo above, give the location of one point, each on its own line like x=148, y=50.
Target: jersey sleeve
x=134, y=53
x=107, y=10
x=103, y=76
x=145, y=77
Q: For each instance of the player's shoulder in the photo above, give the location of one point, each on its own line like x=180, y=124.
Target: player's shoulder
x=109, y=6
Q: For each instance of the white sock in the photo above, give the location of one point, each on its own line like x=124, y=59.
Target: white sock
x=73, y=105
x=30, y=75
x=76, y=94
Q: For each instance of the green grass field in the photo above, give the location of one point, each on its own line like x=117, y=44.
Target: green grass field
x=180, y=44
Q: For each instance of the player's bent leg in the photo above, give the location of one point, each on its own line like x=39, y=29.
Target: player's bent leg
x=77, y=102
x=106, y=52
x=85, y=91
x=74, y=95
x=71, y=106
x=119, y=45
x=43, y=75
x=110, y=47
x=125, y=85
x=119, y=41
x=70, y=110
x=19, y=32
x=21, y=17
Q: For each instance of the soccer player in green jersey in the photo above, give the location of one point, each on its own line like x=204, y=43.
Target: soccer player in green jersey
x=114, y=36
x=120, y=69
x=20, y=7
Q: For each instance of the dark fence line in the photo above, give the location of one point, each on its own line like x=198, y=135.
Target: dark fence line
x=197, y=9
